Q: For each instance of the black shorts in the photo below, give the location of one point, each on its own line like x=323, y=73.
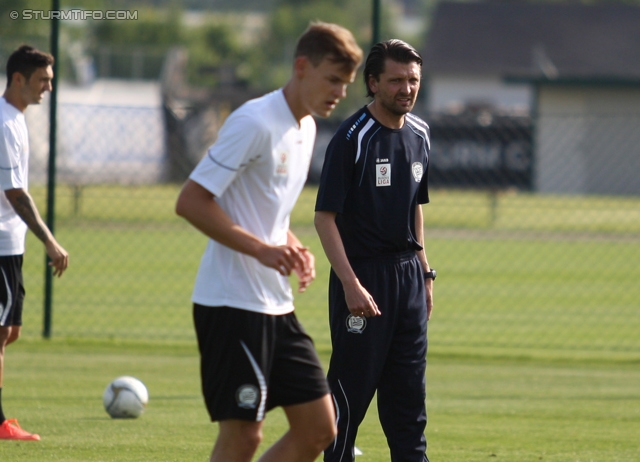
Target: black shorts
x=11, y=291
x=251, y=362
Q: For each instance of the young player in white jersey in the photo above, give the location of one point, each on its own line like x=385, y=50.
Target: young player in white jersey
x=29, y=75
x=254, y=353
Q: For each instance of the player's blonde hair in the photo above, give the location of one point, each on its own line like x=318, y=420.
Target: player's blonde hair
x=329, y=41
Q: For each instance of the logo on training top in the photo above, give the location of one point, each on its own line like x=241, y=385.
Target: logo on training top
x=283, y=166
x=356, y=324
x=416, y=169
x=383, y=173
x=247, y=396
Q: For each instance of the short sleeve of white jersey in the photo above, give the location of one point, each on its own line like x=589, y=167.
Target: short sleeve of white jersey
x=241, y=140
x=11, y=175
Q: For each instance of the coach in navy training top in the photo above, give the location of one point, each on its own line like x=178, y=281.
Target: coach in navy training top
x=369, y=219
x=373, y=178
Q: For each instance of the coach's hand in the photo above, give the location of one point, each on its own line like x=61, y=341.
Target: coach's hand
x=359, y=300
x=429, y=293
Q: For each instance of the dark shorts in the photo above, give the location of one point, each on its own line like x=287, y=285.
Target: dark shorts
x=11, y=291
x=252, y=362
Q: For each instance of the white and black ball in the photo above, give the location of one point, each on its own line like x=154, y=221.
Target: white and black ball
x=125, y=398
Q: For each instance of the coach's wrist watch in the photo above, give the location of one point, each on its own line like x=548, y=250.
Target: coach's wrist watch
x=431, y=274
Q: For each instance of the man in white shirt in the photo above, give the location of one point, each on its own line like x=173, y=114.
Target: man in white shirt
x=254, y=353
x=29, y=75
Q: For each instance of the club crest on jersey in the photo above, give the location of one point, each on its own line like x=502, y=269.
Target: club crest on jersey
x=383, y=174
x=417, y=171
x=356, y=324
x=247, y=396
x=283, y=166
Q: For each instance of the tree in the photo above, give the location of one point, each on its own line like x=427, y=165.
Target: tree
x=15, y=31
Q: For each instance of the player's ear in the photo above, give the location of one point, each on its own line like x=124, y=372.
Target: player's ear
x=300, y=65
x=18, y=78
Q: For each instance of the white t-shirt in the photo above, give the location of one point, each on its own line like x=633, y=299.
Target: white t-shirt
x=14, y=174
x=256, y=169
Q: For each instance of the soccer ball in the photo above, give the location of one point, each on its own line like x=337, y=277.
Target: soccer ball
x=125, y=398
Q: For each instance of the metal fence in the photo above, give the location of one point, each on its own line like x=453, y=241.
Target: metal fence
x=523, y=264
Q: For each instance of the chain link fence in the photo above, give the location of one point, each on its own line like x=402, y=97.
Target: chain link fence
x=534, y=230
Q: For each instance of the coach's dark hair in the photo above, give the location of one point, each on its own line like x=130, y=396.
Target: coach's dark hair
x=394, y=49
x=26, y=60
x=325, y=40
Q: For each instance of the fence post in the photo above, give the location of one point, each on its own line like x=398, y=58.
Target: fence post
x=51, y=173
x=375, y=22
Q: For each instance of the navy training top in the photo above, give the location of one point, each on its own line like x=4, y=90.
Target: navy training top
x=373, y=177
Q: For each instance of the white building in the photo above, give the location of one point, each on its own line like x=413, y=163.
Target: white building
x=574, y=68
x=111, y=131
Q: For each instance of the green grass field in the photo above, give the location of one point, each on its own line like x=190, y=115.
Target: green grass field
x=534, y=344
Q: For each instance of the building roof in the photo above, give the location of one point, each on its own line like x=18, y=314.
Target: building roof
x=535, y=40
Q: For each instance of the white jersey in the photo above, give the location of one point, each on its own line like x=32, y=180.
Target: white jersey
x=14, y=173
x=256, y=169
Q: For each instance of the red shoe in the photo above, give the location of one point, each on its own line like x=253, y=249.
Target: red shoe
x=10, y=430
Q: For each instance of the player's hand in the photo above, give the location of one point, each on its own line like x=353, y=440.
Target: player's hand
x=306, y=273
x=59, y=257
x=359, y=300
x=282, y=258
